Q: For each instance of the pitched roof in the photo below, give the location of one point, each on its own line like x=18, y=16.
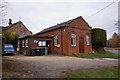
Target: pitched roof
x=10, y=26
x=61, y=25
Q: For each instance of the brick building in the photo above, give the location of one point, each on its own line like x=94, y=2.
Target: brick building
x=28, y=43
x=70, y=37
x=18, y=28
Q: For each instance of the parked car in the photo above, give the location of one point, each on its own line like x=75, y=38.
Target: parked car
x=8, y=49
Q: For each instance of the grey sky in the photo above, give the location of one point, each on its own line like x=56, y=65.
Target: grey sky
x=42, y=14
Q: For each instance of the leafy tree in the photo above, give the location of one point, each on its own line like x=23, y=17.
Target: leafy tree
x=9, y=38
x=98, y=38
x=3, y=11
x=114, y=41
x=12, y=35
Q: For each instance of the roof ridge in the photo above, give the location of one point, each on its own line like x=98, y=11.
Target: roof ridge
x=9, y=26
x=60, y=25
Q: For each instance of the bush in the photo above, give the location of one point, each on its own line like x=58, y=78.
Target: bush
x=98, y=38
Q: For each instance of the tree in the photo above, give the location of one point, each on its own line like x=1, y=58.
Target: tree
x=98, y=39
x=3, y=13
x=114, y=41
x=109, y=43
x=12, y=35
x=9, y=38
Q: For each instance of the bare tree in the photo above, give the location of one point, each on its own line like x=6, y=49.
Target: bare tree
x=3, y=12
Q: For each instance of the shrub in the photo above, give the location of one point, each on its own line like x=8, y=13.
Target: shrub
x=98, y=38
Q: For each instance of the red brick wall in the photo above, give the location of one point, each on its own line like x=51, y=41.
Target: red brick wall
x=19, y=27
x=81, y=29
x=32, y=45
x=24, y=50
x=75, y=49
x=66, y=47
x=78, y=27
x=57, y=32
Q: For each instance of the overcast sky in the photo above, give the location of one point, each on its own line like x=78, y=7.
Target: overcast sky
x=40, y=14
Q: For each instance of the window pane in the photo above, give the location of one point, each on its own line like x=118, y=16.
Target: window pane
x=42, y=43
x=18, y=44
x=73, y=36
x=27, y=43
x=87, y=40
x=73, y=39
x=55, y=41
x=39, y=43
x=23, y=43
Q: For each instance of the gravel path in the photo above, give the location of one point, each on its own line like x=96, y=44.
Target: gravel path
x=49, y=66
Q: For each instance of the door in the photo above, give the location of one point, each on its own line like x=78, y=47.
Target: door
x=49, y=46
x=20, y=46
x=81, y=46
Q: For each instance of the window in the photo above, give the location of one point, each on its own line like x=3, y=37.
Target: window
x=42, y=43
x=23, y=43
x=27, y=43
x=20, y=35
x=18, y=44
x=55, y=41
x=73, y=40
x=87, y=40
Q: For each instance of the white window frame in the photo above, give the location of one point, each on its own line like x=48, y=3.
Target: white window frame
x=18, y=44
x=87, y=39
x=23, y=43
x=20, y=34
x=73, y=40
x=26, y=43
x=42, y=43
x=56, y=41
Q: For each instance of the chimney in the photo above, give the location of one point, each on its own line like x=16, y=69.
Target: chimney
x=10, y=21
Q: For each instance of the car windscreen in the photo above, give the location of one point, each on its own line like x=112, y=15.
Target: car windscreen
x=8, y=46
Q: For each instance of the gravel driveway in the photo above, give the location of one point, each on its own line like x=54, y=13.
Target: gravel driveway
x=49, y=66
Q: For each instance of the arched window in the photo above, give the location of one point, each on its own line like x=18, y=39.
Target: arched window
x=87, y=39
x=26, y=42
x=18, y=44
x=23, y=43
x=73, y=40
x=56, y=41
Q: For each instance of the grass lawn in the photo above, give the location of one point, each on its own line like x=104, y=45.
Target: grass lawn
x=94, y=73
x=97, y=55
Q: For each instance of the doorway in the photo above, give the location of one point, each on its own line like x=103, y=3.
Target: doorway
x=49, y=46
x=81, y=46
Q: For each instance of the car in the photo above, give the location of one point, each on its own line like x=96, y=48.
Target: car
x=8, y=49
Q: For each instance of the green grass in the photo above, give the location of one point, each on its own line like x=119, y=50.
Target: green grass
x=97, y=55
x=94, y=73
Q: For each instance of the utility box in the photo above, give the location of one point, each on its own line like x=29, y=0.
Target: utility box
x=39, y=52
x=46, y=51
x=33, y=52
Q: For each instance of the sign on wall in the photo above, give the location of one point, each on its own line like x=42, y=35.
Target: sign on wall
x=35, y=41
